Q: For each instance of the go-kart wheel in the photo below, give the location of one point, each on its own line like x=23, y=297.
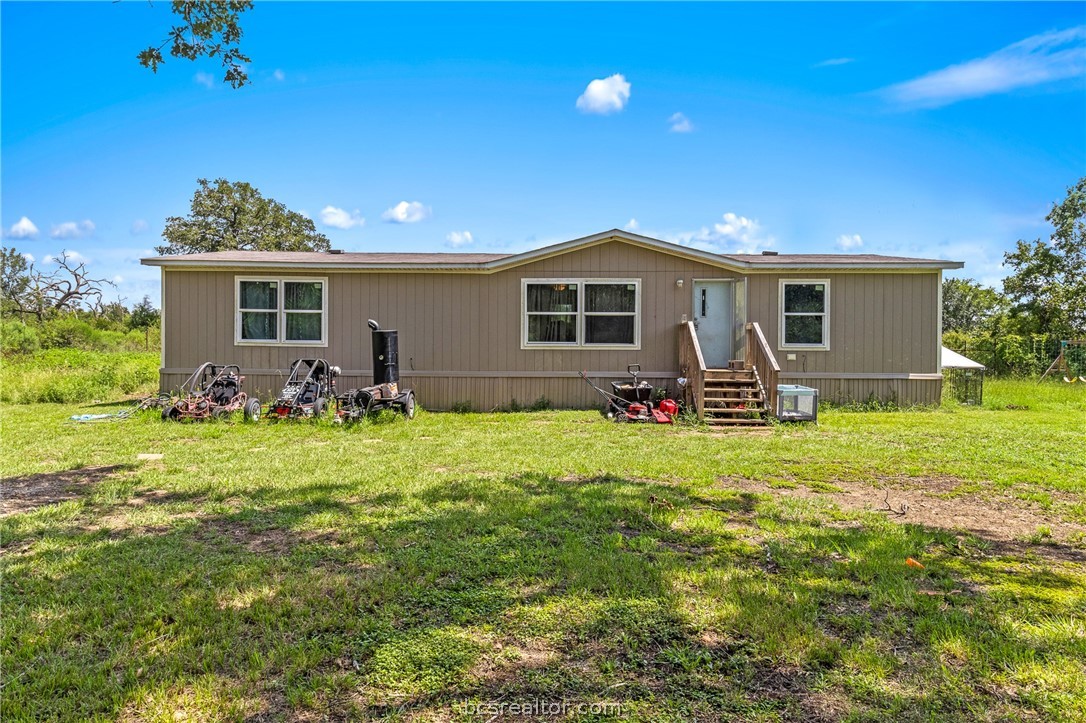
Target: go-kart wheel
x=218, y=413
x=170, y=414
x=409, y=406
x=318, y=408
x=252, y=410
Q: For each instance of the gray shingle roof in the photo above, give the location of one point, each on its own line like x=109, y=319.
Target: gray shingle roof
x=493, y=262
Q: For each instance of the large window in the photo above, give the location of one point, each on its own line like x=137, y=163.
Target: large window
x=581, y=313
x=281, y=311
x=805, y=310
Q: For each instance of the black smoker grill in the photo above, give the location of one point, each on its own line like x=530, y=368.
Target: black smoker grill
x=354, y=404
x=386, y=355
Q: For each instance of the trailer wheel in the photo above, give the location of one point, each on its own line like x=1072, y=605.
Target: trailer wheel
x=252, y=410
x=409, y=406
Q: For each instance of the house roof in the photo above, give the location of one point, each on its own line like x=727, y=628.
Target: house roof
x=487, y=263
x=322, y=258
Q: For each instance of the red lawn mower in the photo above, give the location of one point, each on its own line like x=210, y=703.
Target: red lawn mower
x=630, y=402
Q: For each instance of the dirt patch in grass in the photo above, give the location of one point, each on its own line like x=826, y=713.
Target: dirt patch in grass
x=272, y=540
x=508, y=662
x=29, y=492
x=1002, y=519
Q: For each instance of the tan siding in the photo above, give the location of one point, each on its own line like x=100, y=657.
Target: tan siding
x=471, y=324
x=879, y=323
x=905, y=392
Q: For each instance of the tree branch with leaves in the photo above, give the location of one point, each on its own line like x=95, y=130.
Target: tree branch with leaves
x=208, y=28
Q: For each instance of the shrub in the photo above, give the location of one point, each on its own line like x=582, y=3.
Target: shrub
x=71, y=332
x=18, y=338
x=72, y=376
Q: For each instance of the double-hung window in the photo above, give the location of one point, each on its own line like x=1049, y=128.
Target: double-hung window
x=590, y=313
x=290, y=311
x=805, y=313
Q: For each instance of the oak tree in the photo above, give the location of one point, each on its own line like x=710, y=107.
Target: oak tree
x=228, y=216
x=1048, y=281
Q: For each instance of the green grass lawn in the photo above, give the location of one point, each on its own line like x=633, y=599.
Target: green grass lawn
x=411, y=570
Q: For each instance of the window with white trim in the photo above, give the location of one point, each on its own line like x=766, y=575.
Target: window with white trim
x=289, y=311
x=805, y=306
x=596, y=313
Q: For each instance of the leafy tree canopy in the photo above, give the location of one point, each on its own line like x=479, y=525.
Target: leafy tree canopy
x=969, y=307
x=14, y=279
x=144, y=315
x=228, y=216
x=1048, y=283
x=208, y=28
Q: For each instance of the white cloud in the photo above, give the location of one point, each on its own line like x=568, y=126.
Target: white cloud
x=73, y=256
x=632, y=225
x=340, y=218
x=846, y=242
x=118, y=279
x=407, y=212
x=140, y=226
x=734, y=234
x=1038, y=59
x=830, y=62
x=279, y=75
x=23, y=228
x=205, y=79
x=29, y=258
x=456, y=239
x=680, y=123
x=605, y=95
x=71, y=229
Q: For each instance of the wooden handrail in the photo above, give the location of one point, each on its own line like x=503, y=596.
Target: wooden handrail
x=692, y=366
x=760, y=357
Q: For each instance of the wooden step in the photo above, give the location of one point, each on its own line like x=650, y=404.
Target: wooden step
x=723, y=412
x=718, y=374
x=730, y=384
x=729, y=422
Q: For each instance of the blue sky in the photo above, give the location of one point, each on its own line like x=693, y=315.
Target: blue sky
x=942, y=130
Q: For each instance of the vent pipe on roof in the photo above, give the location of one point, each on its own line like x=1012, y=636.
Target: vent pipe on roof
x=769, y=253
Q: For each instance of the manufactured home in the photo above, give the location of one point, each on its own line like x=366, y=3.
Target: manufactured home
x=485, y=330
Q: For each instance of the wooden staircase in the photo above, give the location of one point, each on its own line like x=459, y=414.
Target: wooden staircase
x=730, y=397
x=733, y=397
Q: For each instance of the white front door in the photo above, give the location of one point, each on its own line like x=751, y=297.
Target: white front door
x=714, y=317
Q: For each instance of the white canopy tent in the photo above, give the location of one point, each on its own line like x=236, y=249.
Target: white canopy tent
x=953, y=360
